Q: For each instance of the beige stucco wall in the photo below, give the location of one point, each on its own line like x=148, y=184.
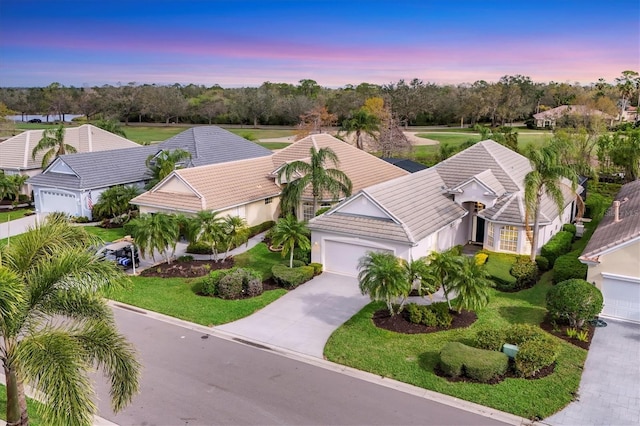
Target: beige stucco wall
x=256, y=212
x=624, y=261
x=175, y=185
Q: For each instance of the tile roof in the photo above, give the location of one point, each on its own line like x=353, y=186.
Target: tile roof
x=362, y=168
x=558, y=112
x=360, y=226
x=207, y=144
x=214, y=187
x=405, y=164
x=609, y=233
x=15, y=152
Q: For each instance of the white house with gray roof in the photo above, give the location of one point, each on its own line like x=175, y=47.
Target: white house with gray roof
x=73, y=183
x=476, y=196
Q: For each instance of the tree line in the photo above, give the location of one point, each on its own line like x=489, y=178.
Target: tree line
x=414, y=102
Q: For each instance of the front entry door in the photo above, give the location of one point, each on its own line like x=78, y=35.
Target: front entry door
x=479, y=237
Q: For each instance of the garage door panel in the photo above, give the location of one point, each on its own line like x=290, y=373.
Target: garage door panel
x=621, y=299
x=52, y=201
x=343, y=257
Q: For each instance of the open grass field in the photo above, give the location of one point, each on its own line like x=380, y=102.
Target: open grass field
x=413, y=358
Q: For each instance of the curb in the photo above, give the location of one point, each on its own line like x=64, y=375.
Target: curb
x=338, y=368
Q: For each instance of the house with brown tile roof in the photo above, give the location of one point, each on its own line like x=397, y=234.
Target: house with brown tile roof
x=250, y=188
x=476, y=196
x=549, y=118
x=613, y=255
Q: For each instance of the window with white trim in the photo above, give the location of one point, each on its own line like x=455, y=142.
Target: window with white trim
x=509, y=238
x=307, y=211
x=490, y=234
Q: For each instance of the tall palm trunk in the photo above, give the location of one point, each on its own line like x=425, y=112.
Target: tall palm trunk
x=291, y=258
x=536, y=228
x=17, y=414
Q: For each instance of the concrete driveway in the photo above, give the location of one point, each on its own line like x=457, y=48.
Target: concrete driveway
x=303, y=319
x=609, y=392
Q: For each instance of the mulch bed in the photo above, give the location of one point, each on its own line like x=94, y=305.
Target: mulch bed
x=510, y=374
x=189, y=269
x=560, y=330
x=400, y=323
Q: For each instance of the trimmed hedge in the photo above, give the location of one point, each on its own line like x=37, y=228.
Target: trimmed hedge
x=231, y=283
x=264, y=226
x=517, y=334
x=291, y=277
x=317, y=268
x=199, y=247
x=543, y=263
x=490, y=339
x=569, y=267
x=296, y=263
x=536, y=354
x=434, y=315
x=569, y=227
x=574, y=300
x=457, y=359
x=558, y=245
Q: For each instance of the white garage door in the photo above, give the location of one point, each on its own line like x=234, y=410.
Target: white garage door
x=343, y=258
x=53, y=201
x=621, y=298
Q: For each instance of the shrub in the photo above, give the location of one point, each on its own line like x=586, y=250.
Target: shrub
x=543, y=263
x=296, y=263
x=322, y=210
x=517, y=334
x=230, y=286
x=291, y=277
x=302, y=255
x=81, y=219
x=558, y=245
x=457, y=359
x=443, y=316
x=525, y=272
x=199, y=247
x=481, y=258
x=184, y=258
x=534, y=355
x=490, y=339
x=575, y=300
x=569, y=227
x=209, y=286
x=567, y=267
x=414, y=313
x=429, y=318
x=264, y=226
x=317, y=268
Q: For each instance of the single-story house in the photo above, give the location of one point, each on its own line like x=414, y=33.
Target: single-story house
x=476, y=196
x=549, y=118
x=16, y=152
x=250, y=188
x=613, y=255
x=73, y=183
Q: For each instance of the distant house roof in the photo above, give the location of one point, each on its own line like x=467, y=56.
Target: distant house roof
x=207, y=145
x=15, y=152
x=555, y=113
x=219, y=186
x=610, y=233
x=405, y=164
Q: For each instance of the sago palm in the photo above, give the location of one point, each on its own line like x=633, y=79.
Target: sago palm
x=442, y=267
x=236, y=232
x=56, y=327
x=546, y=178
x=289, y=233
x=52, y=141
x=209, y=228
x=315, y=174
x=471, y=284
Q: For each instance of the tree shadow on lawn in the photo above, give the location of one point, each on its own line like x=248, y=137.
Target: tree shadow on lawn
x=522, y=314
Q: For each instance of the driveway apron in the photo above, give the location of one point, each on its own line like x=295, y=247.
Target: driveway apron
x=609, y=392
x=303, y=319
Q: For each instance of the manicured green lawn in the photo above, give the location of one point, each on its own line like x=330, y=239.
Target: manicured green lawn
x=412, y=358
x=34, y=418
x=12, y=214
x=175, y=296
x=274, y=145
x=151, y=134
x=107, y=235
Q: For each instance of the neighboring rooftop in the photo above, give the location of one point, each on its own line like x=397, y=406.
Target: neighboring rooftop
x=405, y=164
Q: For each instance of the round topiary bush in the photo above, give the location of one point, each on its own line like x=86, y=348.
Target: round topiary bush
x=568, y=267
x=517, y=334
x=536, y=354
x=574, y=300
x=543, y=263
x=230, y=287
x=525, y=272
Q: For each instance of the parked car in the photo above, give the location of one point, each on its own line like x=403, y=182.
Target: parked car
x=35, y=120
x=123, y=253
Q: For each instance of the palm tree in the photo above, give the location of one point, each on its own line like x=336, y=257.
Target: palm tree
x=163, y=163
x=114, y=201
x=545, y=178
x=47, y=275
x=237, y=232
x=208, y=227
x=6, y=188
x=289, y=233
x=157, y=231
x=316, y=174
x=53, y=142
x=15, y=183
x=384, y=277
x=111, y=126
x=472, y=285
x=442, y=266
x=361, y=122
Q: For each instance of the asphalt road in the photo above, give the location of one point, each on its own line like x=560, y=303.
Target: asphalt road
x=191, y=378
